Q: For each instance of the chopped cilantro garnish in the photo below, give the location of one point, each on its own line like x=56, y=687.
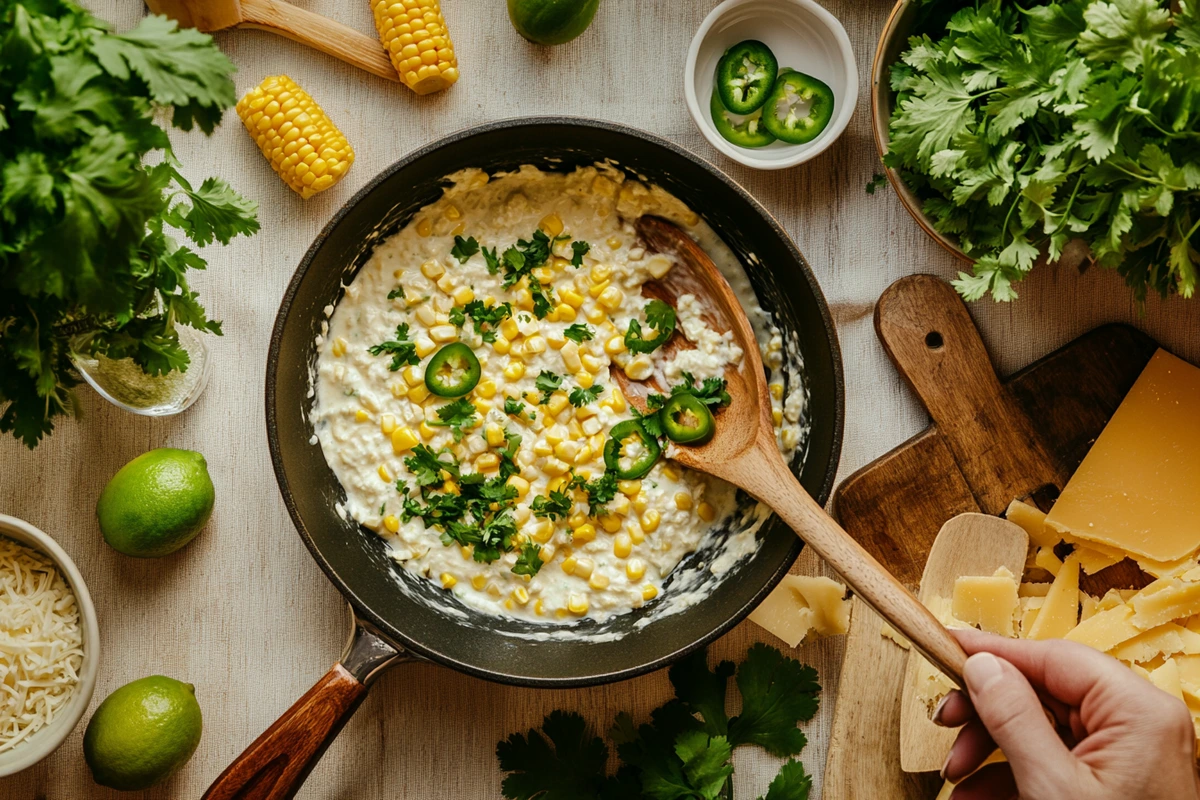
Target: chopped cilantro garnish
x=513, y=407
x=464, y=248
x=456, y=416
x=529, y=560
x=600, y=491
x=579, y=332
x=427, y=467
x=400, y=349
x=581, y=397
x=711, y=392
x=547, y=383
x=486, y=318
x=397, y=292
x=457, y=317
x=660, y=317
x=578, y=251
x=492, y=260
x=556, y=505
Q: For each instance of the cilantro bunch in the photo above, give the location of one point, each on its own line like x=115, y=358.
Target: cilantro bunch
x=684, y=751
x=88, y=262
x=1023, y=127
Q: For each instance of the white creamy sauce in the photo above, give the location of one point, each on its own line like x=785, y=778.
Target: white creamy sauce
x=594, y=566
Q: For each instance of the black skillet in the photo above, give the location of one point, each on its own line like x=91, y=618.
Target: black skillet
x=390, y=624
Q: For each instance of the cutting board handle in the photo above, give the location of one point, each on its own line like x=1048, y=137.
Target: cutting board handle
x=932, y=340
x=320, y=33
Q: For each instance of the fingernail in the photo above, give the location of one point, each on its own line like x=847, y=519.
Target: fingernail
x=946, y=764
x=982, y=669
x=937, y=712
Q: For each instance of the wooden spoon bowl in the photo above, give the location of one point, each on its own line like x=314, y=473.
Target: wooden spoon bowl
x=744, y=451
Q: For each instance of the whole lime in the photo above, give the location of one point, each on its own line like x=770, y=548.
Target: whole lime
x=156, y=503
x=143, y=733
x=551, y=21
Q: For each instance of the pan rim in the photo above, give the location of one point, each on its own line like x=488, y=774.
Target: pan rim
x=398, y=638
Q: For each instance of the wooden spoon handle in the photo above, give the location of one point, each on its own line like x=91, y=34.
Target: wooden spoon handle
x=927, y=332
x=277, y=763
x=320, y=33
x=776, y=486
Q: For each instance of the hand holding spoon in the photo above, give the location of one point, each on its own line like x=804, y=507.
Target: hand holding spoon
x=744, y=452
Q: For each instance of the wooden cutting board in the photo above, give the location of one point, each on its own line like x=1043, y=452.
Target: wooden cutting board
x=991, y=441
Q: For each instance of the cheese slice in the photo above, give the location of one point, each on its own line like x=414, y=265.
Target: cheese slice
x=1060, y=612
x=1033, y=589
x=1166, y=678
x=1088, y=606
x=1027, y=614
x=1046, y=559
x=1106, y=629
x=1189, y=669
x=1167, y=569
x=1033, y=521
x=802, y=604
x=987, y=602
x=891, y=634
x=1136, y=489
x=1092, y=560
x=1165, y=640
x=1164, y=600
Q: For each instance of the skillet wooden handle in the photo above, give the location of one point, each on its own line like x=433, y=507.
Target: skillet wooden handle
x=776, y=486
x=276, y=765
x=927, y=332
x=320, y=33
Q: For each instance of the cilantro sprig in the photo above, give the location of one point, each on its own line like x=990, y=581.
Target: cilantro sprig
x=464, y=248
x=684, y=751
x=553, y=506
x=485, y=318
x=547, y=383
x=1022, y=128
x=580, y=396
x=401, y=350
x=457, y=415
x=97, y=243
x=660, y=317
x=579, y=332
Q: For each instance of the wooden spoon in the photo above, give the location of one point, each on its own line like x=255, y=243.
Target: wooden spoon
x=744, y=452
x=285, y=19
x=969, y=544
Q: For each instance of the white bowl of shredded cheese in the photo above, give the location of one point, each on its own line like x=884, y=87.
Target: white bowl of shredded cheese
x=49, y=645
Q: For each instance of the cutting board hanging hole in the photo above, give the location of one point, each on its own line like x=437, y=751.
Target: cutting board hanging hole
x=934, y=341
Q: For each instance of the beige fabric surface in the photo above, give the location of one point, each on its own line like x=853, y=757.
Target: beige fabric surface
x=245, y=614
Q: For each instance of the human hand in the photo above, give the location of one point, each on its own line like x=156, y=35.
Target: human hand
x=1114, y=736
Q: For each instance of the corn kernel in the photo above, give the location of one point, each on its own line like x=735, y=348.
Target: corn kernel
x=558, y=263
x=514, y=371
x=387, y=424
x=622, y=546
x=543, y=448
x=543, y=531
x=426, y=316
x=413, y=376
x=479, y=581
x=482, y=406
x=502, y=345
x=557, y=403
x=591, y=423
x=670, y=473
x=591, y=363
x=570, y=297
x=583, y=567
x=555, y=434
x=419, y=393
x=535, y=345
x=443, y=333
x=384, y=475
x=658, y=265
x=611, y=523
x=578, y=604
x=424, y=346
x=552, y=224
x=683, y=501
x=619, y=505
x=448, y=580
x=486, y=462
x=467, y=552
x=494, y=434
x=427, y=432
x=463, y=295
x=539, y=608
x=598, y=581
x=399, y=389
x=554, y=466
x=650, y=519
x=596, y=315
x=521, y=513
x=601, y=272
x=629, y=488
x=599, y=288
x=616, y=401
x=432, y=270
x=706, y=512
x=523, y=299
x=452, y=212
x=777, y=391
x=567, y=450
x=639, y=368
x=614, y=345
x=584, y=455
x=636, y=534
x=777, y=416
x=391, y=523
x=446, y=284
x=424, y=227
x=486, y=389
x=520, y=595
x=403, y=440
x=649, y=592
x=509, y=328
x=570, y=357
x=568, y=564
x=584, y=533
x=641, y=503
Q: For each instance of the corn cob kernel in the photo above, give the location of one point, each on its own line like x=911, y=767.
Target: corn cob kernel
x=304, y=147
x=414, y=34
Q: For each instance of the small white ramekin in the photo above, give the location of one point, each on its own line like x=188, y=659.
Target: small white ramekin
x=48, y=739
x=803, y=36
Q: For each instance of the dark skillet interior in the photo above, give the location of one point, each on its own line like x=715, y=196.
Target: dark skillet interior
x=356, y=559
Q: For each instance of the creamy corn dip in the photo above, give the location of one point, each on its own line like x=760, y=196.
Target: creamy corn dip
x=528, y=442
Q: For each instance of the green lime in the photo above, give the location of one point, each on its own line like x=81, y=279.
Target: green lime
x=156, y=503
x=551, y=21
x=143, y=733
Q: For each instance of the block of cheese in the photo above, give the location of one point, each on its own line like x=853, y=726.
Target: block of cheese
x=1033, y=521
x=1165, y=640
x=1166, y=678
x=1164, y=600
x=1106, y=629
x=1060, y=613
x=1136, y=489
x=800, y=604
x=987, y=602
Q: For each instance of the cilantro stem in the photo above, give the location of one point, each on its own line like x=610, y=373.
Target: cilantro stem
x=1146, y=179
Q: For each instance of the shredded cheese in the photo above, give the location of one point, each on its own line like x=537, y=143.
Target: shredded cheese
x=41, y=643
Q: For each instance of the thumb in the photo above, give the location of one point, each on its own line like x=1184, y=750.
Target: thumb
x=1012, y=713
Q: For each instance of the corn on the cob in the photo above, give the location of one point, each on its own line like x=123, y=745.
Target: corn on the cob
x=302, y=144
x=414, y=34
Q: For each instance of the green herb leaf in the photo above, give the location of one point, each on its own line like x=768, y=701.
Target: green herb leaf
x=579, y=332
x=402, y=351
x=456, y=416
x=705, y=762
x=578, y=251
x=547, y=383
x=792, y=783
x=555, y=506
x=777, y=692
x=464, y=248
x=560, y=762
x=397, y=292
x=660, y=317
x=529, y=561
x=581, y=397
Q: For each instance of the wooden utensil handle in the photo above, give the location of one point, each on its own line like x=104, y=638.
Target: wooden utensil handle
x=869, y=579
x=319, y=33
x=927, y=332
x=278, y=762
